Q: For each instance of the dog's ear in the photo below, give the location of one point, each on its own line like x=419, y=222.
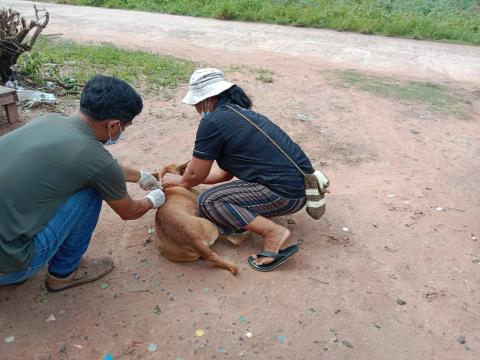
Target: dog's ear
x=173, y=169
x=183, y=167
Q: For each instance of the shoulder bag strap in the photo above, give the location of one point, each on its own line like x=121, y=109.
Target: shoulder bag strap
x=269, y=138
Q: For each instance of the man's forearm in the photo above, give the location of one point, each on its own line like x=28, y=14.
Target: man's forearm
x=140, y=208
x=131, y=175
x=143, y=206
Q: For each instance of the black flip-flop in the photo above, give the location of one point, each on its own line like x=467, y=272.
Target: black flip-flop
x=279, y=257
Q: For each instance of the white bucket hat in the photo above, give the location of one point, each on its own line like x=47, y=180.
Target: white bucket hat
x=205, y=83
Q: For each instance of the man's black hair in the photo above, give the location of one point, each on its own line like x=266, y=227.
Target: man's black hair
x=106, y=97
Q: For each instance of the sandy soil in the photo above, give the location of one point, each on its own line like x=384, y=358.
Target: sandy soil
x=404, y=184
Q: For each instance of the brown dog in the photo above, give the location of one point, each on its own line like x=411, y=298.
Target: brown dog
x=182, y=234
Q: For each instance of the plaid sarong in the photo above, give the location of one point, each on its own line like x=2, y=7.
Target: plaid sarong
x=233, y=205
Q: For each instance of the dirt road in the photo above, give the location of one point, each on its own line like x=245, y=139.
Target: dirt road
x=200, y=39
x=402, y=222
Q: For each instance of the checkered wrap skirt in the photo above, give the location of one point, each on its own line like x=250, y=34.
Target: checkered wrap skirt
x=233, y=205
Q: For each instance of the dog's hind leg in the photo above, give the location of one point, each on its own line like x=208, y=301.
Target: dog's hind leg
x=213, y=258
x=210, y=234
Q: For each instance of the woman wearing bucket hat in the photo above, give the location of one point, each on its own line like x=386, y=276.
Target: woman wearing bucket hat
x=234, y=141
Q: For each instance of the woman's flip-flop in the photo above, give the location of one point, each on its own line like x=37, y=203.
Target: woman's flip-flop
x=279, y=257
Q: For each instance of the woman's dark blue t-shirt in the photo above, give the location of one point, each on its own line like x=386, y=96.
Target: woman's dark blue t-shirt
x=243, y=151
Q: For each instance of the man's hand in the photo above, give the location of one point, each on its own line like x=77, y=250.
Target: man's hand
x=148, y=182
x=157, y=197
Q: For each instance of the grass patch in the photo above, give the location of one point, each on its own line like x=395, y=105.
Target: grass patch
x=438, y=98
x=70, y=65
x=264, y=75
x=451, y=20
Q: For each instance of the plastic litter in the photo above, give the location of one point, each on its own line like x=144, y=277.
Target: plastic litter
x=151, y=230
x=152, y=347
x=199, y=332
x=9, y=339
x=248, y=335
x=345, y=229
x=78, y=346
x=304, y=117
x=104, y=285
x=108, y=357
x=242, y=319
x=51, y=318
x=439, y=208
x=282, y=339
x=31, y=98
x=391, y=195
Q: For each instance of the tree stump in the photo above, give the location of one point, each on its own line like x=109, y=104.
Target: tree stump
x=14, y=30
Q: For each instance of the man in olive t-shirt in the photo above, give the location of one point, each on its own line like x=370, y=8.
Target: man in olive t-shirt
x=54, y=174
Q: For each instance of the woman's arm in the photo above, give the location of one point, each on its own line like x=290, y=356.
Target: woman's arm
x=195, y=173
x=217, y=175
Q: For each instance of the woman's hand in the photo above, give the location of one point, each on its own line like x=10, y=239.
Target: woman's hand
x=170, y=179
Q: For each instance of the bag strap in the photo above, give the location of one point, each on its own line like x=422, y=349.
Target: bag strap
x=269, y=138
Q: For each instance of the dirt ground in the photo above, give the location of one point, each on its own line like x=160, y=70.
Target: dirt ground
x=402, y=224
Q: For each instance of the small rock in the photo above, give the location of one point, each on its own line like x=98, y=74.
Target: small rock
x=151, y=230
x=461, y=339
x=9, y=339
x=152, y=347
x=391, y=195
x=290, y=221
x=347, y=344
x=312, y=310
x=104, y=285
x=401, y=302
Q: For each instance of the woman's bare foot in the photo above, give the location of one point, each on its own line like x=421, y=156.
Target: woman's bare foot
x=275, y=236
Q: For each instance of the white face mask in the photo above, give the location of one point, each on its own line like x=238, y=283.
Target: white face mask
x=111, y=141
x=204, y=113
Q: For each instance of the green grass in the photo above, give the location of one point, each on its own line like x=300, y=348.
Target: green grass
x=438, y=98
x=264, y=75
x=72, y=64
x=451, y=20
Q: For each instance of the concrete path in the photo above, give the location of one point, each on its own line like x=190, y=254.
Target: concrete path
x=190, y=37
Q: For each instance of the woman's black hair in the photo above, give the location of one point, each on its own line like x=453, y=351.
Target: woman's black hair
x=236, y=95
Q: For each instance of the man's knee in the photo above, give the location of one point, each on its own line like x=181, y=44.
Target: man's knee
x=204, y=204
